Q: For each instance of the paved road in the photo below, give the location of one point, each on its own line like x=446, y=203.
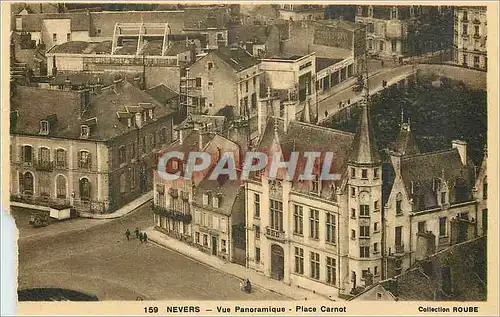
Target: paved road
x=331, y=104
x=97, y=259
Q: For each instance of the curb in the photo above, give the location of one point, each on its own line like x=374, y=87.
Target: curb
x=214, y=268
x=113, y=215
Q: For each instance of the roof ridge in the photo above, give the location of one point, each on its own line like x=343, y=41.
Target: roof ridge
x=318, y=127
x=407, y=157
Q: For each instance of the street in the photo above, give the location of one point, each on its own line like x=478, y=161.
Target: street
x=94, y=257
x=331, y=103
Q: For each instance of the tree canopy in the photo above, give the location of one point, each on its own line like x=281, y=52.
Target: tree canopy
x=439, y=110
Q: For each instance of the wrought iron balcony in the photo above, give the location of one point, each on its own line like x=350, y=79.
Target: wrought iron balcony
x=275, y=234
x=399, y=249
x=46, y=166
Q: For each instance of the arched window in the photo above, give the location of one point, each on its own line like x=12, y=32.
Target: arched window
x=84, y=189
x=399, y=201
x=61, y=161
x=360, y=10
x=122, y=154
x=61, y=186
x=26, y=183
x=412, y=11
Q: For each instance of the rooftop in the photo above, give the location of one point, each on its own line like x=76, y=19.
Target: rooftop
x=82, y=47
x=162, y=93
x=236, y=57
x=348, y=25
x=227, y=191
x=257, y=34
x=80, y=21
x=67, y=105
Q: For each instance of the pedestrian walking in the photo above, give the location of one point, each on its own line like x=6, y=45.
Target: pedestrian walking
x=349, y=101
x=127, y=234
x=326, y=113
x=140, y=236
x=145, y=237
x=136, y=233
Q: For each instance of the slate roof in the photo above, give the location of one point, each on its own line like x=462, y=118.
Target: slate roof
x=304, y=137
x=35, y=104
x=322, y=62
x=239, y=59
x=266, y=10
x=66, y=105
x=205, y=17
x=162, y=93
x=217, y=122
x=175, y=48
x=343, y=24
x=405, y=143
x=228, y=191
x=84, y=78
x=421, y=171
x=365, y=149
x=82, y=47
x=257, y=34
x=80, y=21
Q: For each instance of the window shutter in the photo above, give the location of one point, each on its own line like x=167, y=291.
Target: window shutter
x=21, y=154
x=32, y=155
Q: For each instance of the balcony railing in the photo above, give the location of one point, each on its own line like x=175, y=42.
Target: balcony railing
x=85, y=164
x=399, y=249
x=443, y=240
x=275, y=234
x=60, y=165
x=46, y=166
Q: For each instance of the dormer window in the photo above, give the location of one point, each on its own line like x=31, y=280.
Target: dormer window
x=44, y=127
x=205, y=199
x=412, y=11
x=150, y=113
x=360, y=10
x=370, y=11
x=315, y=185
x=129, y=122
x=394, y=13
x=84, y=131
x=216, y=201
x=144, y=116
x=443, y=198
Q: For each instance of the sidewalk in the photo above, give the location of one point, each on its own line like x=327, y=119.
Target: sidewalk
x=236, y=270
x=128, y=208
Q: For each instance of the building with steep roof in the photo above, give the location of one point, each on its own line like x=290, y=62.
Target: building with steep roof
x=457, y=273
x=95, y=153
x=227, y=77
x=428, y=201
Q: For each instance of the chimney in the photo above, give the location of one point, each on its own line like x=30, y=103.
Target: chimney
x=118, y=85
x=200, y=139
x=262, y=111
x=461, y=146
x=290, y=112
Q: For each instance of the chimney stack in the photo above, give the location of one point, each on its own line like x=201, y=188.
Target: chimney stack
x=461, y=146
x=118, y=85
x=290, y=113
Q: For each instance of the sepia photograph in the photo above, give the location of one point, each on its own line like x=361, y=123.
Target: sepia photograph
x=271, y=152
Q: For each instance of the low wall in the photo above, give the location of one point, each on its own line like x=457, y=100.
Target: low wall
x=475, y=79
